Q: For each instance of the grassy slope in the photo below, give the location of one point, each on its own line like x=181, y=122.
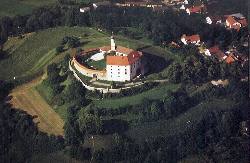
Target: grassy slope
x=156, y=93
x=178, y=124
x=31, y=54
x=21, y=7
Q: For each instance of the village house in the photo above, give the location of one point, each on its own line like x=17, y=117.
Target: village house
x=140, y=4
x=230, y=58
x=236, y=21
x=216, y=52
x=195, y=9
x=193, y=39
x=235, y=55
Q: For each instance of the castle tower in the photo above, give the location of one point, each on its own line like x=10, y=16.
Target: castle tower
x=113, y=46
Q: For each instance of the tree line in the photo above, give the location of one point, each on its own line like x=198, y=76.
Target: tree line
x=161, y=27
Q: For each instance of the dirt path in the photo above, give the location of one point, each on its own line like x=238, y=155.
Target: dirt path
x=26, y=97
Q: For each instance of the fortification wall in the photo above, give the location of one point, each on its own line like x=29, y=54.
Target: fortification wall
x=89, y=72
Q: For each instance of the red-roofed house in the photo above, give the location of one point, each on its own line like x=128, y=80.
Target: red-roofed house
x=193, y=39
x=195, y=9
x=230, y=59
x=236, y=23
x=215, y=51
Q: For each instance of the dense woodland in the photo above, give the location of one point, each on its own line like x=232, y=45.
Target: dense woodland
x=216, y=136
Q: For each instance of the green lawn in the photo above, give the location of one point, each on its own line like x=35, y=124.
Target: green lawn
x=21, y=7
x=99, y=65
x=153, y=94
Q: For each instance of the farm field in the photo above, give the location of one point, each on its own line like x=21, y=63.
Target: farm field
x=28, y=99
x=21, y=7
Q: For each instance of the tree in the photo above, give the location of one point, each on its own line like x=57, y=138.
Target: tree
x=89, y=123
x=174, y=73
x=156, y=110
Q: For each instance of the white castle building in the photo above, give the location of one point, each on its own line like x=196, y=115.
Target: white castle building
x=122, y=64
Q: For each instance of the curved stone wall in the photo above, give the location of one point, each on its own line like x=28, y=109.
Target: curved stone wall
x=89, y=72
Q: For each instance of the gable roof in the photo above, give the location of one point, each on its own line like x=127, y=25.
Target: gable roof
x=123, y=60
x=231, y=21
x=243, y=22
x=215, y=50
x=191, y=38
x=119, y=49
x=230, y=59
x=195, y=9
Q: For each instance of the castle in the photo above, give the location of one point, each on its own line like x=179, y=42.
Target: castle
x=122, y=64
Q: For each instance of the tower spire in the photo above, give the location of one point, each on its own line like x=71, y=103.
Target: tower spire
x=113, y=46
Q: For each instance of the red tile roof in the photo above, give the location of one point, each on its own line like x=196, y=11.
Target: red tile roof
x=243, y=22
x=105, y=48
x=231, y=21
x=196, y=9
x=230, y=59
x=215, y=50
x=119, y=49
x=123, y=60
x=191, y=38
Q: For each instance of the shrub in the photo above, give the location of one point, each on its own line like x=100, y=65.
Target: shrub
x=59, y=49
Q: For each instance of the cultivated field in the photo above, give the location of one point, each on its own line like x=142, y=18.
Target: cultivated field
x=21, y=7
x=28, y=99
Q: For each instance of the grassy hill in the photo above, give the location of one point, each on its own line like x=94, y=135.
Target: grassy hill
x=181, y=122
x=21, y=7
x=29, y=55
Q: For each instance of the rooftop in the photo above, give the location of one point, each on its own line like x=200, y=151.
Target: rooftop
x=123, y=60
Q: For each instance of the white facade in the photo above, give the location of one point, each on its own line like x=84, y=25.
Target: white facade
x=85, y=9
x=182, y=7
x=123, y=73
x=183, y=40
x=113, y=46
x=209, y=20
x=118, y=73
